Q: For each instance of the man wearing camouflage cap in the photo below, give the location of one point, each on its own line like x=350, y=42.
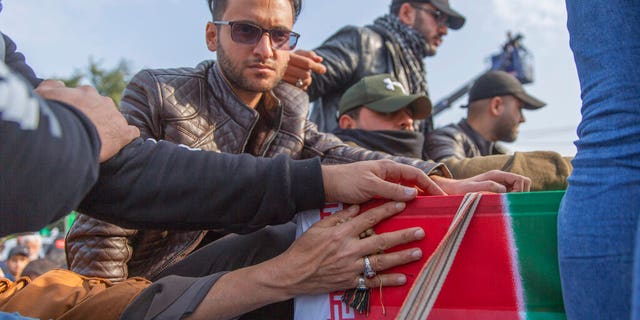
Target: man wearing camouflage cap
x=377, y=113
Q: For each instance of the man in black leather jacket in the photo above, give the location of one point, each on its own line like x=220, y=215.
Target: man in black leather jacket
x=496, y=100
x=395, y=43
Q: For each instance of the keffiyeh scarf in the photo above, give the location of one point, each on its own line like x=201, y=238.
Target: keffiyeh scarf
x=414, y=48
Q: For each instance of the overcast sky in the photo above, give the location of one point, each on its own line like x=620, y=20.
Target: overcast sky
x=60, y=36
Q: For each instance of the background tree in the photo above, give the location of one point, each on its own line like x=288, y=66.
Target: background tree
x=109, y=82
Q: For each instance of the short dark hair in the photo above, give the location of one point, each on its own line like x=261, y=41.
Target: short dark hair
x=394, y=8
x=217, y=8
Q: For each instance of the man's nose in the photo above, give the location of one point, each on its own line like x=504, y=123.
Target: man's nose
x=443, y=30
x=263, y=48
x=406, y=122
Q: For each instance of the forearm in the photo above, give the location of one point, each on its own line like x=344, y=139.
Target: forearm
x=49, y=157
x=241, y=291
x=163, y=185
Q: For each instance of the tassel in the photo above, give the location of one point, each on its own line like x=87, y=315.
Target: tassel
x=358, y=298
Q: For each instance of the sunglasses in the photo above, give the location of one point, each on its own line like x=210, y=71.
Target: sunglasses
x=248, y=33
x=440, y=17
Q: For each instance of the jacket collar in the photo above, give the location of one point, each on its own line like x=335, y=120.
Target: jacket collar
x=221, y=91
x=486, y=147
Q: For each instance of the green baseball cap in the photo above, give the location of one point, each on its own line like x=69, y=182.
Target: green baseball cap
x=383, y=93
x=500, y=83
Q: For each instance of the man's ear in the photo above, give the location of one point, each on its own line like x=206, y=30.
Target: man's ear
x=346, y=122
x=211, y=36
x=407, y=14
x=496, y=106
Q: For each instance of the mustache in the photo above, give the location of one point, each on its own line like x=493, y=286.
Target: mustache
x=269, y=62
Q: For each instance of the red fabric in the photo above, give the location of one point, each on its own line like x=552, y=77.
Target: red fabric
x=482, y=283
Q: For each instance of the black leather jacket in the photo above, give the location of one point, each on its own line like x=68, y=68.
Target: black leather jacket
x=458, y=141
x=349, y=55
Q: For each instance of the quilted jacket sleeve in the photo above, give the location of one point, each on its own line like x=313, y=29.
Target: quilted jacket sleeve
x=333, y=151
x=98, y=249
x=141, y=105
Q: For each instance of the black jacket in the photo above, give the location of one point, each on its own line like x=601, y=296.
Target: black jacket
x=349, y=55
x=459, y=141
x=16, y=62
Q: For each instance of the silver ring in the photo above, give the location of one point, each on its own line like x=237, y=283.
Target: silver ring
x=368, y=270
x=361, y=283
x=299, y=83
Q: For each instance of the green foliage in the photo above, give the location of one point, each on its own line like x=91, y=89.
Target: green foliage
x=109, y=82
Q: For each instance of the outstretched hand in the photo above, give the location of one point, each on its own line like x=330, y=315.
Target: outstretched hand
x=329, y=256
x=490, y=181
x=361, y=181
x=301, y=64
x=112, y=128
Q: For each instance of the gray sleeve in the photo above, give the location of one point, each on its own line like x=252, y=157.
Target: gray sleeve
x=170, y=298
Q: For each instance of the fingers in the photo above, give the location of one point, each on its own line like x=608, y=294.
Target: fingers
x=309, y=60
x=385, y=280
x=511, y=181
x=373, y=216
x=50, y=84
x=340, y=217
x=384, y=261
x=393, y=171
x=384, y=241
x=300, y=67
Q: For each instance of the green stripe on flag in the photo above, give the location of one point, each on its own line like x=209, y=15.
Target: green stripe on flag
x=534, y=218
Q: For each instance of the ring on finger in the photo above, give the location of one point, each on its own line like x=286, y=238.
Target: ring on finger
x=368, y=269
x=362, y=283
x=299, y=83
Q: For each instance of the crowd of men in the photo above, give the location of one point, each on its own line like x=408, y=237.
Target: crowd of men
x=173, y=238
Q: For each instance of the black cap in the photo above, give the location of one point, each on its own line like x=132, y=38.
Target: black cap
x=456, y=20
x=19, y=250
x=499, y=83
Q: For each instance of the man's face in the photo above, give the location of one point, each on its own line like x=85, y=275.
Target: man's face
x=507, y=124
x=254, y=67
x=16, y=264
x=372, y=120
x=431, y=28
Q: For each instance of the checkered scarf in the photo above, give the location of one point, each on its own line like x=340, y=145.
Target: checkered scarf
x=414, y=48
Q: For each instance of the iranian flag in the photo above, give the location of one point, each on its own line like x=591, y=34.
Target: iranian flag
x=505, y=267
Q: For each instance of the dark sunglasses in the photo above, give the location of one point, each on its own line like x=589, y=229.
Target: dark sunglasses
x=441, y=17
x=248, y=33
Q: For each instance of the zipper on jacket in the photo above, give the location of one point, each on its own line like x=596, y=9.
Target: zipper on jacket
x=273, y=133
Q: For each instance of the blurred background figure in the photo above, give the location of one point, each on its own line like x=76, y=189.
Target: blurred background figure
x=16, y=261
x=33, y=242
x=37, y=267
